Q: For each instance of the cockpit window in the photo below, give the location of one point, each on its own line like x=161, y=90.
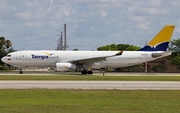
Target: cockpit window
x=8, y=55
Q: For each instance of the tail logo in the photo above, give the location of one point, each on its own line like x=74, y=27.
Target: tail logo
x=161, y=40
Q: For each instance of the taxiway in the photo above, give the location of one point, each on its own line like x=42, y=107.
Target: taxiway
x=119, y=85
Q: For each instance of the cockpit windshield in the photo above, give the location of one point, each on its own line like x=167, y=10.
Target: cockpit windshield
x=8, y=55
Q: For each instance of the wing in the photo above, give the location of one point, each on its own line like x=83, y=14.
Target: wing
x=95, y=59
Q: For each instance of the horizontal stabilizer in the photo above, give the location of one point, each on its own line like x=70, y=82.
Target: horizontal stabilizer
x=156, y=55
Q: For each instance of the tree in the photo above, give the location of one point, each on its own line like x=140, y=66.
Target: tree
x=104, y=48
x=2, y=54
x=2, y=42
x=5, y=44
x=5, y=48
x=75, y=49
x=114, y=47
x=122, y=46
x=8, y=44
x=132, y=48
x=174, y=46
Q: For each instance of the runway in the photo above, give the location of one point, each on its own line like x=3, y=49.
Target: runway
x=119, y=85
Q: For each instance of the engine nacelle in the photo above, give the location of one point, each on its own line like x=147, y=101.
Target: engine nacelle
x=65, y=66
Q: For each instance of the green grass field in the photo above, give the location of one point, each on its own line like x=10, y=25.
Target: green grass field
x=88, y=101
x=86, y=77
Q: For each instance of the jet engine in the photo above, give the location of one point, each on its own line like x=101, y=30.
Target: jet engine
x=65, y=66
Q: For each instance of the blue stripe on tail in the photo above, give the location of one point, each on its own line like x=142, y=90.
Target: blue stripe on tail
x=159, y=47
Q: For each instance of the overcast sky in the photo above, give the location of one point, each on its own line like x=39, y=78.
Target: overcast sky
x=36, y=24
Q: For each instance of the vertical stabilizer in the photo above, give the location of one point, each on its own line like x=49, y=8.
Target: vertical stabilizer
x=161, y=40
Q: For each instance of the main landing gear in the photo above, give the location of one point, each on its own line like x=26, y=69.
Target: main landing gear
x=20, y=71
x=85, y=71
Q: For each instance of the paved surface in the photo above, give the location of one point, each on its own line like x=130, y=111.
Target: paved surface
x=95, y=74
x=122, y=85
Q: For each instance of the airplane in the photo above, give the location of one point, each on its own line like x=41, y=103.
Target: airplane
x=88, y=60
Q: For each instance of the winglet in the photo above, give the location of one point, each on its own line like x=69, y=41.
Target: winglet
x=119, y=53
x=161, y=40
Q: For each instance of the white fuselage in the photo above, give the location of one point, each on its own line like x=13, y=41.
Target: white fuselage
x=50, y=58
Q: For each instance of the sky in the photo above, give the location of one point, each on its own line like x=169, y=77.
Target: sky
x=36, y=24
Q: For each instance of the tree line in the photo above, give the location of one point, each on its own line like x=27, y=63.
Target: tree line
x=175, y=56
x=116, y=47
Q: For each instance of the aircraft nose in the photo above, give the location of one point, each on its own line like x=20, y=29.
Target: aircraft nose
x=3, y=59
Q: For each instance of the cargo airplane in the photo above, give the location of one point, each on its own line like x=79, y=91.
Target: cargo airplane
x=87, y=60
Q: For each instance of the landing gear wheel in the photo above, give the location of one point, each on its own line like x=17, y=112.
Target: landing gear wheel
x=84, y=72
x=20, y=72
x=90, y=72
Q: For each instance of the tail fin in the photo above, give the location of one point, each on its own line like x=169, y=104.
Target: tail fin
x=161, y=40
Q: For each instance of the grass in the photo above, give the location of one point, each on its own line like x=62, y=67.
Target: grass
x=86, y=77
x=88, y=101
